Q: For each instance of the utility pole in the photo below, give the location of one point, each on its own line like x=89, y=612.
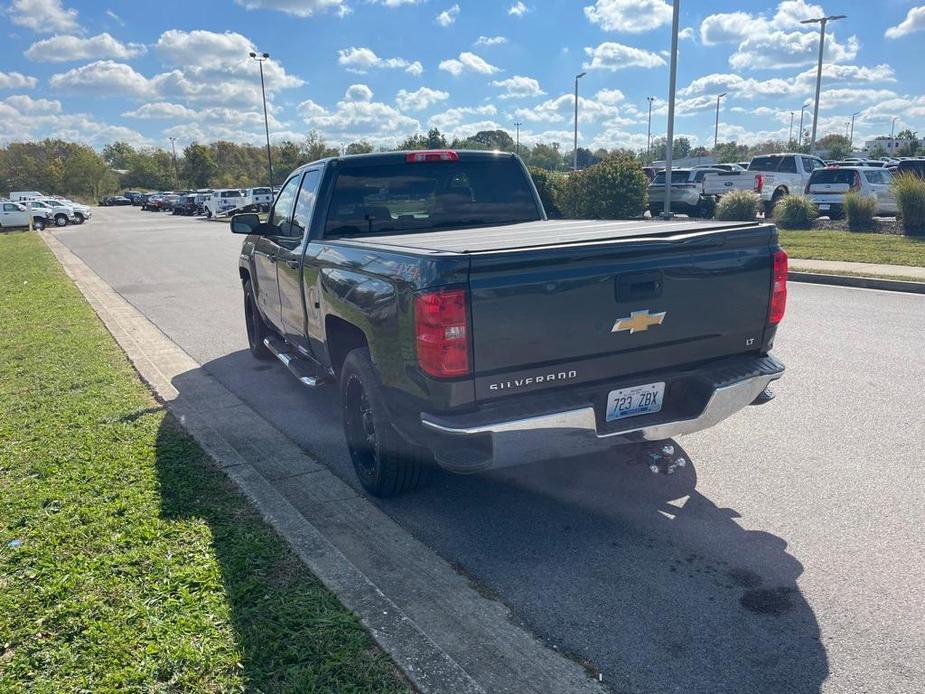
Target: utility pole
x=821, y=21
x=650, y=99
x=260, y=58
x=790, y=137
x=716, y=128
x=802, y=136
x=892, y=141
x=176, y=169
x=672, y=85
x=517, y=125
x=575, y=150
x=851, y=137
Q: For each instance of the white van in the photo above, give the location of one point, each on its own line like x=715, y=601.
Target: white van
x=23, y=195
x=223, y=200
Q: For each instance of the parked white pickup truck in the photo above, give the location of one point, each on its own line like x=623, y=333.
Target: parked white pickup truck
x=261, y=198
x=16, y=214
x=772, y=176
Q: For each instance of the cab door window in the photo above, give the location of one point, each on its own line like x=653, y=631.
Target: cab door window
x=282, y=210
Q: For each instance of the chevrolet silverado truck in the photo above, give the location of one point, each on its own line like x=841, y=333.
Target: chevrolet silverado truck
x=464, y=328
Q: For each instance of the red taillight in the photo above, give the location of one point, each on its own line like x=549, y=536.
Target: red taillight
x=441, y=327
x=759, y=183
x=431, y=155
x=778, y=289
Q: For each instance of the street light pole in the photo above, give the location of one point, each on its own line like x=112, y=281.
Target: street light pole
x=672, y=85
x=802, y=136
x=517, y=125
x=650, y=99
x=575, y=149
x=266, y=120
x=851, y=137
x=892, y=141
x=790, y=137
x=176, y=170
x=716, y=128
x=821, y=21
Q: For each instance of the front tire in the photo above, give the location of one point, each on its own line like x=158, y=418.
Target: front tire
x=80, y=218
x=38, y=224
x=256, y=328
x=385, y=463
x=61, y=220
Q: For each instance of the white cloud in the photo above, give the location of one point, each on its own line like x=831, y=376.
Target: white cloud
x=296, y=8
x=361, y=60
x=561, y=110
x=103, y=78
x=116, y=18
x=518, y=87
x=60, y=48
x=43, y=16
x=490, y=41
x=632, y=16
x=449, y=16
x=419, y=99
x=518, y=9
x=207, y=49
x=26, y=104
x=453, y=118
x=610, y=97
x=914, y=21
x=775, y=43
x=468, y=61
x=16, y=80
x=358, y=116
x=686, y=33
x=616, y=56
x=160, y=109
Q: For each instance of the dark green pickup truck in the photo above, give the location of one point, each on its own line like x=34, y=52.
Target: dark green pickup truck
x=463, y=327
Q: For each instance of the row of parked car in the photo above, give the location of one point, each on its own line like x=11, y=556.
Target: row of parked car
x=207, y=202
x=44, y=210
x=696, y=190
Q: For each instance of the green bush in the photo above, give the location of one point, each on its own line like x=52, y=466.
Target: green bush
x=910, y=197
x=860, y=210
x=549, y=186
x=616, y=188
x=738, y=206
x=795, y=212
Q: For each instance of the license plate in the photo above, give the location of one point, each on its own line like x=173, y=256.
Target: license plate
x=634, y=401
x=823, y=207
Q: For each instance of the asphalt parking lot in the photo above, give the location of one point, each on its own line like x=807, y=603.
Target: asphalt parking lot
x=786, y=558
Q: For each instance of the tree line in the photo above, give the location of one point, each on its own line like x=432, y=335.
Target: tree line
x=68, y=168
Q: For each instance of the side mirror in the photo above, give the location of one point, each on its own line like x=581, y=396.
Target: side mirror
x=245, y=223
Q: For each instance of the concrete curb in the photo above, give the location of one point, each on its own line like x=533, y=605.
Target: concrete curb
x=862, y=282
x=443, y=634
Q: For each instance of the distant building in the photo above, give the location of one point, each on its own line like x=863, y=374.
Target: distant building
x=890, y=144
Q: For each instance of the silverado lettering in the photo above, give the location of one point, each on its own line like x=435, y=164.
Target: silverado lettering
x=520, y=382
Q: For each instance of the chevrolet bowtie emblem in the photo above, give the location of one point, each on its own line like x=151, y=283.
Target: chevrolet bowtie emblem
x=638, y=321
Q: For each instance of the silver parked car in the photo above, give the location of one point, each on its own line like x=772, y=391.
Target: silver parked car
x=686, y=192
x=827, y=188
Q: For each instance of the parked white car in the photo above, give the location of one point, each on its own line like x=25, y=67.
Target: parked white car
x=61, y=214
x=81, y=212
x=22, y=195
x=222, y=201
x=260, y=197
x=16, y=214
x=827, y=188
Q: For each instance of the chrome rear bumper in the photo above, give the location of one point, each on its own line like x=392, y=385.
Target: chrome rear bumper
x=575, y=431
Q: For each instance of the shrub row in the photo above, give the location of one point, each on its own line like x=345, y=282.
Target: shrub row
x=615, y=188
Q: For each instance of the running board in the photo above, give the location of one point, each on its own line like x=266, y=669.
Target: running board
x=302, y=369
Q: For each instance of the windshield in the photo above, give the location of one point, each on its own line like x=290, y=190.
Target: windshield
x=416, y=197
x=676, y=177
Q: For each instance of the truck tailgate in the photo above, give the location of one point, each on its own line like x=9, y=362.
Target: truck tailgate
x=546, y=317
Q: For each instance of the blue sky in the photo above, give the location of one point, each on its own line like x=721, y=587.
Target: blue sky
x=382, y=69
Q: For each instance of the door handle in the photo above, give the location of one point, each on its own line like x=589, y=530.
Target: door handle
x=294, y=264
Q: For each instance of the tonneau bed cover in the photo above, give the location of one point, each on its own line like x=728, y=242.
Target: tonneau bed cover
x=540, y=233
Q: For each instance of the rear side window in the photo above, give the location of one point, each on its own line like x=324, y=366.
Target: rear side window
x=878, y=177
x=407, y=197
x=787, y=165
x=764, y=164
x=676, y=177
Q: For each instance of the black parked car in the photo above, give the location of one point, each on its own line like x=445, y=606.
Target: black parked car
x=115, y=200
x=186, y=205
x=913, y=166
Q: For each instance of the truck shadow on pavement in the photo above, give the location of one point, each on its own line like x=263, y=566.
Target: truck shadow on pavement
x=639, y=576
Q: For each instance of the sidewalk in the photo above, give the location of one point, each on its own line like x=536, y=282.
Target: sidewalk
x=862, y=269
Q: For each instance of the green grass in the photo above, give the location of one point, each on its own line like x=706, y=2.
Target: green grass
x=889, y=249
x=140, y=567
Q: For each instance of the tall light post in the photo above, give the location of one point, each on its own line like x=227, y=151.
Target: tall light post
x=575, y=149
x=176, y=169
x=802, y=136
x=892, y=141
x=851, y=137
x=790, y=136
x=650, y=99
x=672, y=85
x=821, y=21
x=517, y=125
x=260, y=57
x=716, y=127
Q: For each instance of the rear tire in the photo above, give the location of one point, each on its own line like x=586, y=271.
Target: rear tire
x=38, y=224
x=385, y=463
x=61, y=220
x=256, y=328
